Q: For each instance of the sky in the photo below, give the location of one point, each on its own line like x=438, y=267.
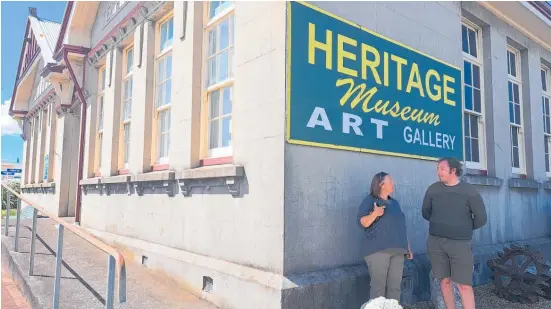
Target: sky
x=13, y=21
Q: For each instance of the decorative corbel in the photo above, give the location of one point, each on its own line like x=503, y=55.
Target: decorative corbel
x=84, y=190
x=106, y=189
x=169, y=188
x=128, y=188
x=138, y=186
x=233, y=186
x=184, y=187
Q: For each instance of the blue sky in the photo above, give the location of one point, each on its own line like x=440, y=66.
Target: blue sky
x=14, y=19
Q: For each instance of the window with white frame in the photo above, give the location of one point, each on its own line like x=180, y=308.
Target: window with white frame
x=514, y=86
x=546, y=106
x=128, y=70
x=99, y=138
x=219, y=67
x=473, y=105
x=163, y=63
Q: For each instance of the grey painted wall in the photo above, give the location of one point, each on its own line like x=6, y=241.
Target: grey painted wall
x=322, y=195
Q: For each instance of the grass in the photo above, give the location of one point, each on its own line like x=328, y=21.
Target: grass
x=13, y=212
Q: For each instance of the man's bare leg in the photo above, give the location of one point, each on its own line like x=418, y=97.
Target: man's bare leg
x=447, y=293
x=467, y=296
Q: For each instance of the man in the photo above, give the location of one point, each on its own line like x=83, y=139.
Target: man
x=454, y=209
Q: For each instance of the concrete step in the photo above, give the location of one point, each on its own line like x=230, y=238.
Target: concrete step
x=84, y=273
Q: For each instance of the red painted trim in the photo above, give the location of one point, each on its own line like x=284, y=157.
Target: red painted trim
x=216, y=161
x=14, y=92
x=64, y=24
x=98, y=174
x=522, y=176
x=123, y=172
x=66, y=48
x=116, y=28
x=159, y=167
x=484, y=172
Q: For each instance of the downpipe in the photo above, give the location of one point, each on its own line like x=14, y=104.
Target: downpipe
x=82, y=129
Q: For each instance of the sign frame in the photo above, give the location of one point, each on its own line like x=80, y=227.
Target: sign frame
x=288, y=65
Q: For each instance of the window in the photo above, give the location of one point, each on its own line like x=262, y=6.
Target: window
x=515, y=111
x=163, y=88
x=473, y=105
x=220, y=67
x=546, y=106
x=128, y=70
x=99, y=137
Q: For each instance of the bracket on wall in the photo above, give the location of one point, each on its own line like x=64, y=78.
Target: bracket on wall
x=229, y=176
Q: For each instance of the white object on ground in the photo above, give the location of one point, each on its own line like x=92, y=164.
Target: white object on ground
x=381, y=303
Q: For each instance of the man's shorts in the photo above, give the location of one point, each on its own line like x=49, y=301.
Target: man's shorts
x=451, y=258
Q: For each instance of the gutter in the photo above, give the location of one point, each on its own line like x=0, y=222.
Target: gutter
x=83, y=51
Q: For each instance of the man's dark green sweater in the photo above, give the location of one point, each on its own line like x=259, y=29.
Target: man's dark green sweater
x=454, y=211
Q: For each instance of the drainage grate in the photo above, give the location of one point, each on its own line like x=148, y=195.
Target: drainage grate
x=207, y=284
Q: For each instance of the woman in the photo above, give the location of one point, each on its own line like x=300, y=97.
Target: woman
x=384, y=243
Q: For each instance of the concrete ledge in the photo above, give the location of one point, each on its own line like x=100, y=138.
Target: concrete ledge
x=547, y=185
x=153, y=176
x=90, y=181
x=216, y=171
x=483, y=180
x=47, y=185
x=524, y=183
x=116, y=179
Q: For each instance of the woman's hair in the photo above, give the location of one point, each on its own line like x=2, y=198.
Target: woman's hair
x=376, y=183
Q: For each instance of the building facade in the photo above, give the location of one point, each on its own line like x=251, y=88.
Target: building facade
x=205, y=138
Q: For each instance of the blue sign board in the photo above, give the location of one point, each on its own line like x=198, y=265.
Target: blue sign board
x=7, y=173
x=14, y=170
x=353, y=89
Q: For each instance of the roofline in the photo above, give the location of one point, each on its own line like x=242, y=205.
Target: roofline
x=70, y=49
x=64, y=24
x=542, y=7
x=16, y=82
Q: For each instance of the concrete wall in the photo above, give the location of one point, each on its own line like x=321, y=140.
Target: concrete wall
x=109, y=14
x=247, y=230
x=322, y=196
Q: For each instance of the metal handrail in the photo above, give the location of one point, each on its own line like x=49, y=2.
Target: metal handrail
x=115, y=260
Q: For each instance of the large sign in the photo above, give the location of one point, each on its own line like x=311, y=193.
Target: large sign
x=353, y=89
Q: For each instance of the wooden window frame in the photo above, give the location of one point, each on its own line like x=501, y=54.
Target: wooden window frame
x=481, y=116
x=546, y=94
x=224, y=154
x=124, y=153
x=102, y=75
x=521, y=170
x=159, y=56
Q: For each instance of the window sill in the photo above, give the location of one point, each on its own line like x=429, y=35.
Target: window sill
x=228, y=175
x=522, y=183
x=123, y=172
x=216, y=161
x=482, y=180
x=45, y=187
x=160, y=167
x=547, y=185
x=154, y=180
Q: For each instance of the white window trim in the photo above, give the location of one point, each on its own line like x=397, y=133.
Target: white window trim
x=207, y=90
x=547, y=94
x=517, y=80
x=159, y=55
x=101, y=116
x=129, y=75
x=482, y=165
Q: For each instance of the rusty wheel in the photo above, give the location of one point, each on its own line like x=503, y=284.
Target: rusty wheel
x=520, y=275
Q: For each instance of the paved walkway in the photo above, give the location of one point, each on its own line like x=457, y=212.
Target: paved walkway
x=11, y=296
x=84, y=272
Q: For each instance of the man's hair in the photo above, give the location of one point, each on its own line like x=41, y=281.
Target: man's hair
x=453, y=163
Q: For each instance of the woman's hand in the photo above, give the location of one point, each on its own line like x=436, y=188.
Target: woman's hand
x=378, y=211
x=410, y=253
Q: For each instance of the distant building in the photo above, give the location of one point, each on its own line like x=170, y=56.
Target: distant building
x=11, y=171
x=229, y=144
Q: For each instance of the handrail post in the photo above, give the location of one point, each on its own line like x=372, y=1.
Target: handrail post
x=33, y=240
x=8, y=206
x=122, y=284
x=16, y=240
x=58, y=259
x=110, y=282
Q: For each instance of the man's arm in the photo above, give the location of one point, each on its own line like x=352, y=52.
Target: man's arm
x=427, y=206
x=478, y=210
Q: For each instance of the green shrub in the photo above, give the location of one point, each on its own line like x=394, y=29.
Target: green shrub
x=16, y=186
